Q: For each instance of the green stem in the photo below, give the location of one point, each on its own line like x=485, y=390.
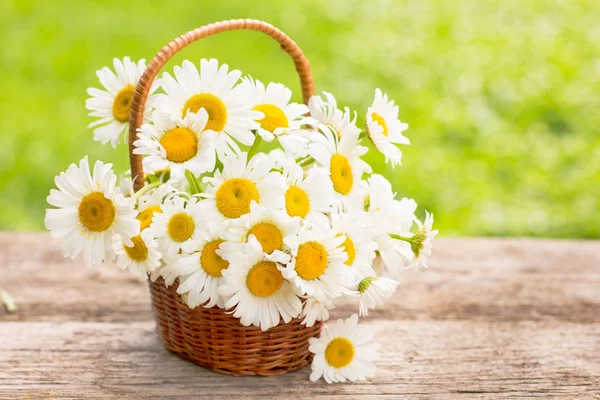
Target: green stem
x=306, y=161
x=9, y=303
x=145, y=189
x=399, y=237
x=254, y=148
x=192, y=182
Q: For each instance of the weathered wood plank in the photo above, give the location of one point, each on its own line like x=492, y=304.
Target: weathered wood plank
x=492, y=318
x=481, y=279
x=424, y=358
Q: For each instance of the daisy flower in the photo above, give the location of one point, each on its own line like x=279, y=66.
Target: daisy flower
x=179, y=225
x=358, y=244
x=141, y=258
x=90, y=212
x=279, y=158
x=163, y=271
x=372, y=291
x=342, y=159
x=126, y=184
x=201, y=273
x=280, y=119
x=271, y=228
x=112, y=105
x=315, y=310
x=343, y=352
x=149, y=203
x=230, y=191
x=421, y=243
x=256, y=288
x=385, y=129
x=308, y=194
x=327, y=113
x=390, y=217
x=317, y=262
x=177, y=144
x=228, y=106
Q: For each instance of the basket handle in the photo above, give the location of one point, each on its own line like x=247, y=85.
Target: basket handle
x=140, y=96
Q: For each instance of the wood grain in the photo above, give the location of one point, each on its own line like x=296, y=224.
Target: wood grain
x=491, y=319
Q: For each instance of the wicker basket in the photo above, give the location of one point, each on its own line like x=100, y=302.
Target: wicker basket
x=216, y=340
x=210, y=337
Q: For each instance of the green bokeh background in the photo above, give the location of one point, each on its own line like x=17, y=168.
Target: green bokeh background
x=502, y=97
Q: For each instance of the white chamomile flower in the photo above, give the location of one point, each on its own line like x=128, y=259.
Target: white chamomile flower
x=390, y=217
x=395, y=253
x=327, y=113
x=317, y=262
x=372, y=291
x=421, y=243
x=308, y=194
x=163, y=271
x=358, y=244
x=315, y=310
x=385, y=129
x=150, y=202
x=343, y=352
x=178, y=144
x=201, y=273
x=272, y=228
x=280, y=119
x=126, y=184
x=279, y=158
x=90, y=212
x=390, y=214
x=342, y=159
x=255, y=286
x=213, y=88
x=141, y=258
x=112, y=105
x=178, y=226
x=230, y=191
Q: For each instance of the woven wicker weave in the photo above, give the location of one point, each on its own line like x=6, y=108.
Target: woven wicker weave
x=216, y=340
x=211, y=337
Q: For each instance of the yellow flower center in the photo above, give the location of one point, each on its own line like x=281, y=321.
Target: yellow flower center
x=341, y=174
x=211, y=262
x=181, y=227
x=268, y=235
x=180, y=144
x=339, y=352
x=122, y=103
x=274, y=117
x=145, y=216
x=350, y=250
x=234, y=197
x=264, y=279
x=311, y=260
x=379, y=119
x=214, y=106
x=138, y=252
x=96, y=212
x=296, y=202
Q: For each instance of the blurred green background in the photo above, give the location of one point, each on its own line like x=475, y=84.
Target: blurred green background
x=502, y=97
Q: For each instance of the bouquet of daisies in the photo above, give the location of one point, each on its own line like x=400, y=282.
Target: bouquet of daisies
x=252, y=203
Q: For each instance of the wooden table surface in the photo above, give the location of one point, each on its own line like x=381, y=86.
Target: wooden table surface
x=491, y=318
